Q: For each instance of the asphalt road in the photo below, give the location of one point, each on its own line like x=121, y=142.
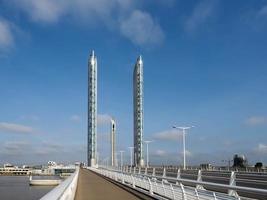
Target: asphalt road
x=94, y=187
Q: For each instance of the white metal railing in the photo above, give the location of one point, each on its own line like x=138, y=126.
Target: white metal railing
x=161, y=187
x=256, y=183
x=66, y=190
x=232, y=188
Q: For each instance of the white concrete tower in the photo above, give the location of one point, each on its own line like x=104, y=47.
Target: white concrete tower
x=138, y=112
x=113, y=142
x=92, y=111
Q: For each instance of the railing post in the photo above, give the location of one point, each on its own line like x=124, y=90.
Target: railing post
x=123, y=178
x=134, y=170
x=150, y=187
x=146, y=171
x=199, y=175
x=154, y=172
x=233, y=183
x=116, y=176
x=164, y=190
x=183, y=191
x=173, y=194
x=139, y=170
x=214, y=195
x=199, y=179
x=164, y=172
x=164, y=175
x=133, y=180
x=197, y=194
x=178, y=175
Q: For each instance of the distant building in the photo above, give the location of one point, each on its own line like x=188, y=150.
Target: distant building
x=138, y=112
x=240, y=161
x=56, y=169
x=206, y=166
x=51, y=163
x=259, y=165
x=8, y=165
x=9, y=169
x=92, y=111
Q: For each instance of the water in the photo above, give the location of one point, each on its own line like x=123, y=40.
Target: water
x=18, y=188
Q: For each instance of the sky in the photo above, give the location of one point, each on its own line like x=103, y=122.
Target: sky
x=205, y=65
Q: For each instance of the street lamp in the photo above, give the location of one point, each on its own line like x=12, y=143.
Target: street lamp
x=121, y=158
x=183, y=129
x=131, y=152
x=147, y=156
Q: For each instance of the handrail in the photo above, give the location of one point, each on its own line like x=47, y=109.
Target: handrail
x=203, y=183
x=161, y=188
x=66, y=190
x=264, y=171
x=219, y=175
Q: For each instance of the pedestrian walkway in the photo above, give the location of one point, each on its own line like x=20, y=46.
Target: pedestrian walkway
x=94, y=187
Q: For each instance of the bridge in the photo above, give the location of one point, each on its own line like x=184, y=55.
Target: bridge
x=107, y=182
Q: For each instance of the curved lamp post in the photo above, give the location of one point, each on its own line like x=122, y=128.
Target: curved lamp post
x=183, y=128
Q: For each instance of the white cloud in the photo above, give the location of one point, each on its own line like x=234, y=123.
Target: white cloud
x=51, y=11
x=169, y=135
x=263, y=11
x=16, y=147
x=103, y=119
x=15, y=128
x=118, y=15
x=141, y=29
x=187, y=153
x=42, y=10
x=52, y=145
x=47, y=148
x=256, y=120
x=29, y=152
x=201, y=13
x=160, y=152
x=6, y=36
x=261, y=148
x=75, y=118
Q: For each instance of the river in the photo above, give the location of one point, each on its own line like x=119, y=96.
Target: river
x=18, y=188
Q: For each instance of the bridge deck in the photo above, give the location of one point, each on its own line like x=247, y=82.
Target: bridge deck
x=94, y=187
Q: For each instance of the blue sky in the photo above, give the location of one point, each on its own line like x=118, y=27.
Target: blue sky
x=205, y=65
